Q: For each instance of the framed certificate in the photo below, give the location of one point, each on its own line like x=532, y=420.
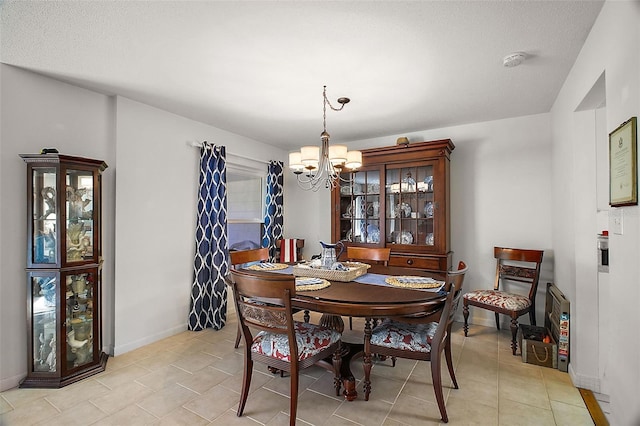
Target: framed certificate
x=623, y=165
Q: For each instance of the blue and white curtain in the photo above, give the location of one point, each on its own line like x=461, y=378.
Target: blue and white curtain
x=209, y=292
x=273, y=218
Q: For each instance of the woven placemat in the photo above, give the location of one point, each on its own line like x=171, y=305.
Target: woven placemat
x=268, y=266
x=413, y=282
x=316, y=284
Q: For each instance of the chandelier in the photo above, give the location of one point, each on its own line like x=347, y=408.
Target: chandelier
x=316, y=167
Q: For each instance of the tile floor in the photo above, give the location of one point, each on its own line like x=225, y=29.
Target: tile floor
x=194, y=378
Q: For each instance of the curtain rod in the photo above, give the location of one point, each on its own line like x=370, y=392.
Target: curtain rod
x=199, y=145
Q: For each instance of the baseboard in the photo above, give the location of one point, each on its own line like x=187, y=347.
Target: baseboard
x=585, y=382
x=128, y=347
x=11, y=382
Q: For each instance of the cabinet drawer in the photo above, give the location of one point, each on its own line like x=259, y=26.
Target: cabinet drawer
x=431, y=263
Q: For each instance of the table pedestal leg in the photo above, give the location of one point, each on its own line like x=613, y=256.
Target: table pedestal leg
x=335, y=322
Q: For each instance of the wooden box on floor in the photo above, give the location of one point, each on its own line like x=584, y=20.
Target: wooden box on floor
x=534, y=350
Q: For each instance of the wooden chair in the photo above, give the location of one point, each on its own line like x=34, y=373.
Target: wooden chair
x=282, y=343
x=246, y=256
x=299, y=247
x=414, y=338
x=378, y=255
x=240, y=258
x=512, y=266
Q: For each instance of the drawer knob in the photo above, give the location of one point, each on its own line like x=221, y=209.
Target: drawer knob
x=409, y=261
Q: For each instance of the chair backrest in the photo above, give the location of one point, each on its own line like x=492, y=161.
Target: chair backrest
x=380, y=255
x=518, y=265
x=263, y=302
x=453, y=286
x=245, y=256
x=299, y=247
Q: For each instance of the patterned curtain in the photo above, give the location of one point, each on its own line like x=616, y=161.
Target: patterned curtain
x=209, y=292
x=273, y=219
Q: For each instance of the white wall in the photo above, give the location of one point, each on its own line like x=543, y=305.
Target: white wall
x=500, y=195
x=150, y=219
x=155, y=212
x=39, y=112
x=613, y=47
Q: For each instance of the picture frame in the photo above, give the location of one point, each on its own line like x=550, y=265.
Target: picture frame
x=623, y=165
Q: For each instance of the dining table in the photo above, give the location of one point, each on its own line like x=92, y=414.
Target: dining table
x=369, y=296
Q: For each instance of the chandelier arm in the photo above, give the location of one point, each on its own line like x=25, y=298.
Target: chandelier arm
x=341, y=101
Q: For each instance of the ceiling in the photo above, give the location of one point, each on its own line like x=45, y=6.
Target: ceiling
x=258, y=68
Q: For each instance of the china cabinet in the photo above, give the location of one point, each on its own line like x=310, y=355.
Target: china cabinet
x=64, y=267
x=399, y=198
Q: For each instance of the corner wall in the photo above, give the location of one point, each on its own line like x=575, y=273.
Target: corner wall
x=39, y=112
x=148, y=223
x=612, y=47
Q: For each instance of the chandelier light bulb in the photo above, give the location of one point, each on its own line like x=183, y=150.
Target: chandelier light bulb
x=310, y=155
x=354, y=160
x=337, y=154
x=295, y=161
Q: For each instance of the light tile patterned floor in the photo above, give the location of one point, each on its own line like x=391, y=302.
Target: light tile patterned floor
x=194, y=378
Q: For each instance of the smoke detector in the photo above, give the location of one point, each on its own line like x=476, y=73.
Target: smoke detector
x=513, y=59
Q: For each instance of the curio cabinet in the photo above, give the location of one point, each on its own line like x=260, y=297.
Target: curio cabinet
x=64, y=262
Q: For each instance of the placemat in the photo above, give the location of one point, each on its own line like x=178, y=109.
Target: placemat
x=413, y=282
x=309, y=283
x=266, y=266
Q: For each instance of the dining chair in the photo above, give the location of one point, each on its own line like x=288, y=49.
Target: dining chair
x=242, y=257
x=293, y=255
x=513, y=266
x=415, y=338
x=281, y=343
x=368, y=254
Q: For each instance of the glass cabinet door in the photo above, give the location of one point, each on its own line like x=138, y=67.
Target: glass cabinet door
x=360, y=208
x=79, y=305
x=44, y=218
x=44, y=323
x=410, y=205
x=79, y=210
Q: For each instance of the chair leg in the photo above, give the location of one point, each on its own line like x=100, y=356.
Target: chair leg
x=367, y=359
x=293, y=407
x=350, y=323
x=514, y=334
x=337, y=366
x=465, y=314
x=246, y=382
x=447, y=356
x=497, y=320
x=436, y=378
x=238, y=336
x=532, y=315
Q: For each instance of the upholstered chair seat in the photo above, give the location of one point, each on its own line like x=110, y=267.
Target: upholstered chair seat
x=403, y=336
x=311, y=339
x=499, y=299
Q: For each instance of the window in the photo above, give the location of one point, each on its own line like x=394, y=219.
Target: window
x=245, y=196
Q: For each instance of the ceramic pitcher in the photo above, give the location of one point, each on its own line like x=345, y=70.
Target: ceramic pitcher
x=329, y=257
